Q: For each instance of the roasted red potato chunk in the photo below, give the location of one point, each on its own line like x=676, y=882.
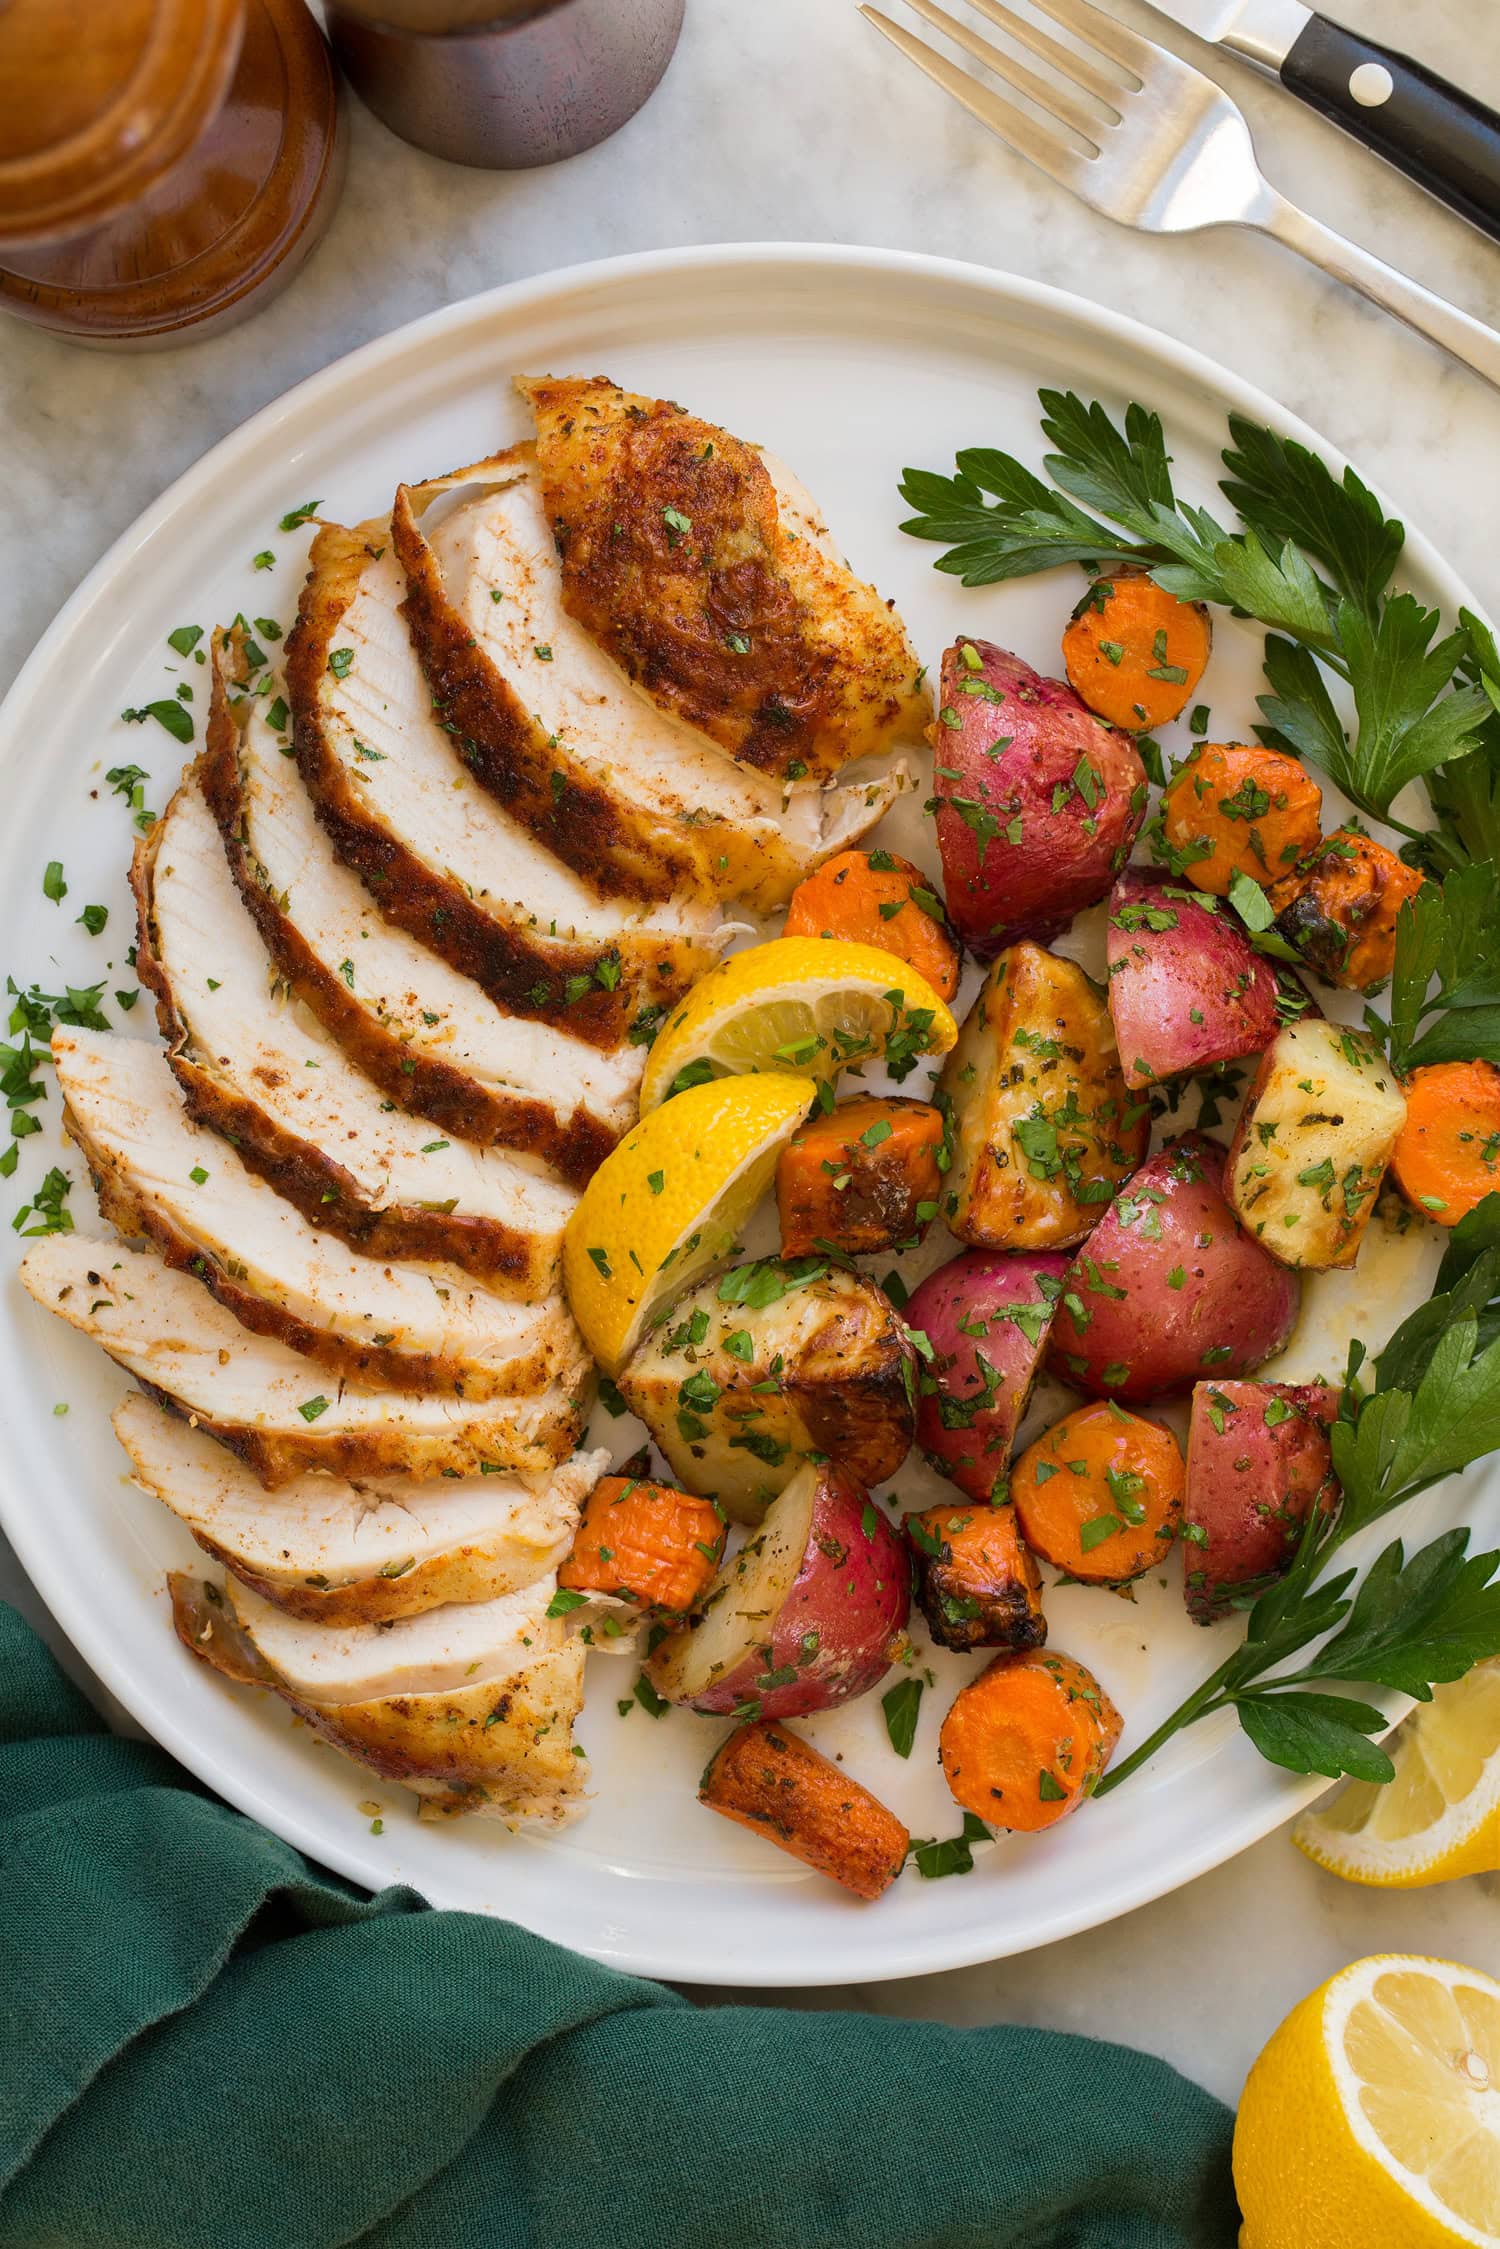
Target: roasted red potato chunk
x=1258, y=1461
x=977, y=1584
x=1186, y=988
x=1037, y=802
x=1043, y=1127
x=1168, y=1289
x=1320, y=1123
x=867, y=1176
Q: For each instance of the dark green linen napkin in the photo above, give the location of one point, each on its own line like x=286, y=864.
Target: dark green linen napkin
x=207, y=2043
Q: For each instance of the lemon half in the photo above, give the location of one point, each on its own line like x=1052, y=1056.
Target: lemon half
x=1372, y=2119
x=808, y=1004
x=1440, y=1816
x=670, y=1202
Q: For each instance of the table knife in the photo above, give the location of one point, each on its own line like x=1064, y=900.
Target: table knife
x=1438, y=135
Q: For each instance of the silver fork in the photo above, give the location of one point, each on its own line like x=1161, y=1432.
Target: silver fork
x=1150, y=141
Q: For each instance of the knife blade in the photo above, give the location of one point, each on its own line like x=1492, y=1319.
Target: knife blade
x=1441, y=137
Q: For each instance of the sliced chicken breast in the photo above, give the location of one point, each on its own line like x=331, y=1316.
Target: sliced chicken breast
x=443, y=859
x=255, y=1065
x=727, y=609
x=412, y=1326
x=262, y=1401
x=465, y=1642
x=366, y=1551
x=500, y=1746
x=429, y=1037
x=524, y=686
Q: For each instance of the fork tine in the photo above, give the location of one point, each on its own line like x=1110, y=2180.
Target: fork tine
x=1104, y=33
x=1008, y=123
x=1068, y=60
x=1052, y=98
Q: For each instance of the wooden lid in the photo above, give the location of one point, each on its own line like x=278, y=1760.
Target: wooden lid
x=98, y=98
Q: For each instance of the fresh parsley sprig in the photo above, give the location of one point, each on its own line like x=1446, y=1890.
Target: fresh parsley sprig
x=1411, y=1625
x=1311, y=558
x=1447, y=972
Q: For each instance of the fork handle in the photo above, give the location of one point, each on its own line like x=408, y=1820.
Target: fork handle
x=1469, y=340
x=1438, y=135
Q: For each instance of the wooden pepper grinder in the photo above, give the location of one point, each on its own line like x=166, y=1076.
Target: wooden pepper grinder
x=165, y=165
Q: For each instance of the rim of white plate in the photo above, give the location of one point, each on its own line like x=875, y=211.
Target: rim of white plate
x=936, y=1949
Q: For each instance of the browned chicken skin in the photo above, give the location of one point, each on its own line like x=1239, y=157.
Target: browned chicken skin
x=681, y=557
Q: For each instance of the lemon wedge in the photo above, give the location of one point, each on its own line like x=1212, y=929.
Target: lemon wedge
x=1372, y=2119
x=1440, y=1816
x=670, y=1202
x=808, y=1004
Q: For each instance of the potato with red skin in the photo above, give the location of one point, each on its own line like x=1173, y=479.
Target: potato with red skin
x=810, y=1613
x=1168, y=1290
x=1258, y=1460
x=1187, y=989
x=985, y=1316
x=1037, y=801
x=1042, y=1127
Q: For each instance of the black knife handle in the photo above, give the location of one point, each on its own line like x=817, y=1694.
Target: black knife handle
x=1437, y=135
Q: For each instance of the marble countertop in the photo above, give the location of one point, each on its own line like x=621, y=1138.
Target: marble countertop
x=790, y=120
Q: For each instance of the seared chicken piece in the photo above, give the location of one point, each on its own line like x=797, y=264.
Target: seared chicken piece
x=429, y=1037
x=361, y=1552
x=412, y=1326
x=256, y=1066
x=543, y=717
x=443, y=860
x=260, y=1399
x=472, y=1708
x=719, y=594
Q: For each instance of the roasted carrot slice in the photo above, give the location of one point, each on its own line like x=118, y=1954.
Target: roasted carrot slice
x=1339, y=909
x=866, y=1176
x=1241, y=810
x=878, y=898
x=977, y=1583
x=1447, y=1158
x=1100, y=1495
x=644, y=1542
x=1134, y=652
x=770, y=1779
x=1025, y=1741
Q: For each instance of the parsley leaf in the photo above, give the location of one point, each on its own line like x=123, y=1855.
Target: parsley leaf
x=1283, y=491
x=1449, y=933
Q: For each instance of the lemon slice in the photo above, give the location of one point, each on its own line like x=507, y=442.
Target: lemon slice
x=1440, y=1816
x=1372, y=2119
x=670, y=1202
x=809, y=1004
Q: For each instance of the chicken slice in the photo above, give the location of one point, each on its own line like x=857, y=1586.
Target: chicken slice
x=498, y=1743
x=257, y=1067
x=428, y=1036
x=727, y=604
x=528, y=692
x=259, y=1398
x=442, y=858
x=363, y=1552
x=412, y=1326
